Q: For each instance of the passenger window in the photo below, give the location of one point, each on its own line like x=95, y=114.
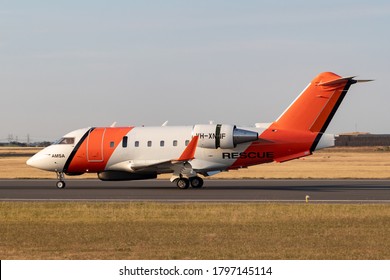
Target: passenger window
x=112, y=144
x=136, y=144
x=174, y=143
x=187, y=142
x=162, y=143
x=124, y=142
x=149, y=143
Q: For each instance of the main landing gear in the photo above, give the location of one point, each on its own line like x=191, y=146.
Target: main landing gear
x=184, y=183
x=60, y=183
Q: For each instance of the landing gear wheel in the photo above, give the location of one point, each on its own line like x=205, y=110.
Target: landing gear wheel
x=60, y=184
x=196, y=182
x=183, y=183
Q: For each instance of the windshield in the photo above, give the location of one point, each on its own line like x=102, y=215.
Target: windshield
x=65, y=141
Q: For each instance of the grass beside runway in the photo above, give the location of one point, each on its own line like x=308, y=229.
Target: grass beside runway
x=104, y=230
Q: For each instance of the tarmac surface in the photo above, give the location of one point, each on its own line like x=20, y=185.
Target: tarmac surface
x=257, y=190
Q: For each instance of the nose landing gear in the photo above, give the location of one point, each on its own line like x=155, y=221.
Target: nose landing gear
x=60, y=183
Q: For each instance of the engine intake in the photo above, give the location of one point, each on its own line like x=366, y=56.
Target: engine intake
x=224, y=136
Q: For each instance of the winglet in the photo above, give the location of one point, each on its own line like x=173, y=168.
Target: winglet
x=189, y=152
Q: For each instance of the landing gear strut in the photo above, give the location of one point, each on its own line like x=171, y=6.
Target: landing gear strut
x=60, y=183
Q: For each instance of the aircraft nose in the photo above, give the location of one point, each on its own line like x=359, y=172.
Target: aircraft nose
x=41, y=161
x=30, y=162
x=36, y=161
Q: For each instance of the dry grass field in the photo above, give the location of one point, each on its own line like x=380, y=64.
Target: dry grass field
x=328, y=163
x=193, y=231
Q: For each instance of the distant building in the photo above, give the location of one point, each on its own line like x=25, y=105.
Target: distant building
x=362, y=139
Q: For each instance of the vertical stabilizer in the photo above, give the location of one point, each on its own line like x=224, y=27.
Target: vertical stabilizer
x=315, y=107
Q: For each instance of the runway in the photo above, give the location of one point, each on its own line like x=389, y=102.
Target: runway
x=319, y=191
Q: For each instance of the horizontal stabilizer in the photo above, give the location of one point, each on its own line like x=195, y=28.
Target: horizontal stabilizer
x=343, y=80
x=336, y=81
x=363, y=81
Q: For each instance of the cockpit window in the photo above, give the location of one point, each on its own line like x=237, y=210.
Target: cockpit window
x=65, y=141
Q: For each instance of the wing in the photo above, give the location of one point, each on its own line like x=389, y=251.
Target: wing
x=160, y=165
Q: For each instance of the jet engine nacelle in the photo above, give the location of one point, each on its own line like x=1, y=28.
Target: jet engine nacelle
x=225, y=136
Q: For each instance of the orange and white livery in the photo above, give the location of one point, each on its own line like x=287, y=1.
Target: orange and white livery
x=134, y=153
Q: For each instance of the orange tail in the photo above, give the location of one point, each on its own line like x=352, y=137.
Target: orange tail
x=315, y=107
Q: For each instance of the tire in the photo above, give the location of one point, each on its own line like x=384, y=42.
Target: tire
x=60, y=184
x=196, y=182
x=183, y=183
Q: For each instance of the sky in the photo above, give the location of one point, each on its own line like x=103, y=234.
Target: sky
x=71, y=64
